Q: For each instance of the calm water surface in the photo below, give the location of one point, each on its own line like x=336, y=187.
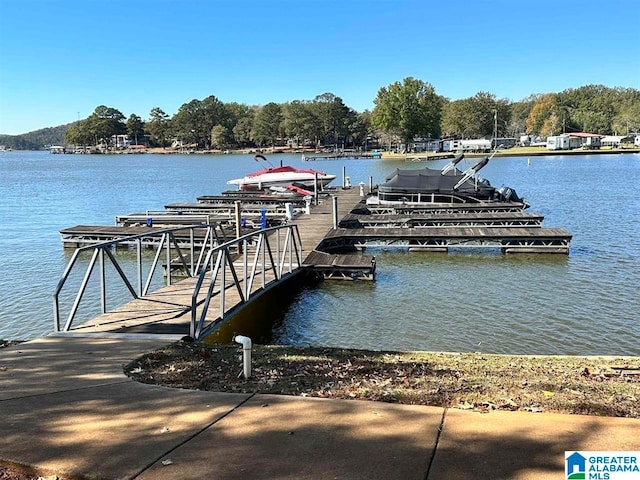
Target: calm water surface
x=584, y=303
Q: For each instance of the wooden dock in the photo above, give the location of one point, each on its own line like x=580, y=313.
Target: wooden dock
x=437, y=208
x=82, y=235
x=326, y=251
x=341, y=266
x=315, y=227
x=454, y=219
x=167, y=311
x=248, y=198
x=443, y=239
x=440, y=227
x=342, y=156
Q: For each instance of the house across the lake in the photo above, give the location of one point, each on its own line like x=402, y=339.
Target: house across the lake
x=568, y=141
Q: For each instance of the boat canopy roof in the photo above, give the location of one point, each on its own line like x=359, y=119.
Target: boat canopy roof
x=428, y=180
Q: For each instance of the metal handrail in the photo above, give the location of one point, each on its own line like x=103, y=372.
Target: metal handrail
x=288, y=256
x=167, y=242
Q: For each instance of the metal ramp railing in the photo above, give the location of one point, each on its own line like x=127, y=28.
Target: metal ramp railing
x=267, y=255
x=171, y=241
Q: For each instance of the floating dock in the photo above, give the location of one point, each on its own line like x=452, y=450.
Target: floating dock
x=438, y=227
x=443, y=239
x=437, y=208
x=82, y=235
x=446, y=219
x=341, y=266
x=342, y=156
x=327, y=252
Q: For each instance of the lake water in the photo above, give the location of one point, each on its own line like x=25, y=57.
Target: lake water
x=584, y=303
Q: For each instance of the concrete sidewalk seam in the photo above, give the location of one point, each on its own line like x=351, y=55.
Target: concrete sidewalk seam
x=435, y=445
x=191, y=437
x=56, y=392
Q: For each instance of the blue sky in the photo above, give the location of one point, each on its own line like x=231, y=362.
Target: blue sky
x=59, y=59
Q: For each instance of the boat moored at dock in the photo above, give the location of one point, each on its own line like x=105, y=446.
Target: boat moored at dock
x=282, y=176
x=448, y=185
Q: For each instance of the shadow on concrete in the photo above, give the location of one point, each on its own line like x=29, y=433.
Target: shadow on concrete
x=520, y=445
x=67, y=407
x=53, y=364
x=296, y=438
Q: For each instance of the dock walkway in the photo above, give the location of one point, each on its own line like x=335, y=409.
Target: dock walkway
x=168, y=310
x=435, y=228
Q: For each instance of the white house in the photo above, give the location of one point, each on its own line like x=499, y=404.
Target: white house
x=568, y=141
x=616, y=141
x=473, y=145
x=120, y=141
x=559, y=142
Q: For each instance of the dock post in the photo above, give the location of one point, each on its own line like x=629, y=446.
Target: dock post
x=370, y=184
x=335, y=212
x=238, y=223
x=344, y=176
x=315, y=188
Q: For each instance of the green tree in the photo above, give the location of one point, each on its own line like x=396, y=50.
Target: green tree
x=158, y=127
x=299, y=122
x=214, y=113
x=408, y=109
x=194, y=121
x=519, y=111
x=221, y=137
x=457, y=119
x=545, y=118
x=268, y=124
x=360, y=129
x=593, y=108
x=104, y=123
x=79, y=134
x=135, y=127
x=476, y=116
x=242, y=129
x=332, y=118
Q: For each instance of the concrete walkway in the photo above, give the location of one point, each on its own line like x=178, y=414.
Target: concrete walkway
x=66, y=407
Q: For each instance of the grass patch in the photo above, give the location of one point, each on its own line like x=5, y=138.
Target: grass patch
x=473, y=381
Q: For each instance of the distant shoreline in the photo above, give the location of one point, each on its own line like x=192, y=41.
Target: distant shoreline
x=417, y=156
x=511, y=152
x=516, y=152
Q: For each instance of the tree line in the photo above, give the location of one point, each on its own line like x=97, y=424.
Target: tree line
x=403, y=111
